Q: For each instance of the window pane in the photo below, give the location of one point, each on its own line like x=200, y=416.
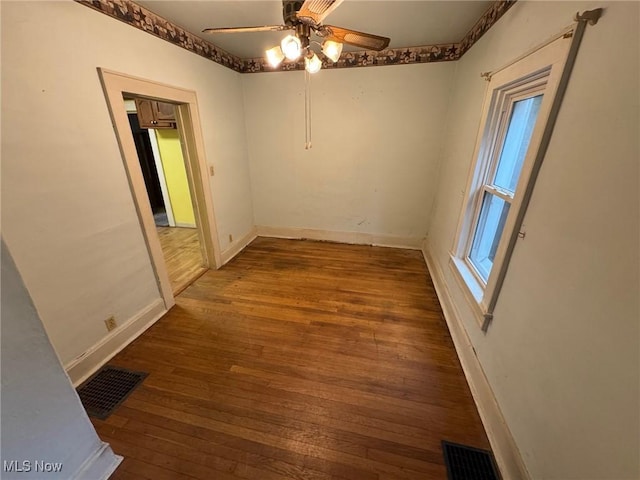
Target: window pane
x=493, y=216
x=516, y=142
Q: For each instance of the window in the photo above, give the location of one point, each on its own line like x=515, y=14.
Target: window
x=498, y=190
x=514, y=117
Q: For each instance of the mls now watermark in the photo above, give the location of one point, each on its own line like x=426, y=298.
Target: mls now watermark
x=18, y=466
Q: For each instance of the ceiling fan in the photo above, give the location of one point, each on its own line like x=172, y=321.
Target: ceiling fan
x=305, y=18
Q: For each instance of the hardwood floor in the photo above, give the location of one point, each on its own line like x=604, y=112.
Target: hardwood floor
x=297, y=360
x=181, y=249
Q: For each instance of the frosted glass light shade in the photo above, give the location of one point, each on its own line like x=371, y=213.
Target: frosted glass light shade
x=332, y=50
x=291, y=47
x=312, y=64
x=275, y=56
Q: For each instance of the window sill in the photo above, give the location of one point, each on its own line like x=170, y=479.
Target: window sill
x=473, y=291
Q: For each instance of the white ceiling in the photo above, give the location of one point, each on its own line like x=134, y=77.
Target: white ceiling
x=407, y=23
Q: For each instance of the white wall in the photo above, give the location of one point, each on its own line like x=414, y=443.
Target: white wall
x=562, y=352
x=376, y=136
x=68, y=214
x=42, y=417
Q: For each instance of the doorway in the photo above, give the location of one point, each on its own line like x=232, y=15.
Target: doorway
x=117, y=87
x=165, y=176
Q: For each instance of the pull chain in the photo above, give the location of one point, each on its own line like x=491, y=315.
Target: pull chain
x=307, y=110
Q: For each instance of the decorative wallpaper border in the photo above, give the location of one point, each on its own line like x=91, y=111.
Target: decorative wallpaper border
x=367, y=58
x=139, y=17
x=484, y=23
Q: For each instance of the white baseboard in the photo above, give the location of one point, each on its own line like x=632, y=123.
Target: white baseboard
x=357, y=238
x=237, y=246
x=100, y=465
x=503, y=445
x=90, y=361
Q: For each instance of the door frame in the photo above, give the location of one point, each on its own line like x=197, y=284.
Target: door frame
x=115, y=85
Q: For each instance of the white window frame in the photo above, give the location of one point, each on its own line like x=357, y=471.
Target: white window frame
x=494, y=141
x=535, y=73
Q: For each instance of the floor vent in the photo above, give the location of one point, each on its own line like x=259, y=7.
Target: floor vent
x=468, y=463
x=107, y=389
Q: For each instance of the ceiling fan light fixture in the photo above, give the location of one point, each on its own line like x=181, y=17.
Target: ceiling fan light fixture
x=332, y=50
x=275, y=56
x=312, y=64
x=291, y=47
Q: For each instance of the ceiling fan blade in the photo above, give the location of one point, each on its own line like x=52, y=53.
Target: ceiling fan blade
x=266, y=28
x=314, y=11
x=359, y=39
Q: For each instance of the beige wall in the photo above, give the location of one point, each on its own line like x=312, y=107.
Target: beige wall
x=67, y=211
x=376, y=136
x=42, y=417
x=562, y=352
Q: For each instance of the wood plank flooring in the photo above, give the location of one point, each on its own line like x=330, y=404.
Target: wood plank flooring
x=182, y=255
x=297, y=360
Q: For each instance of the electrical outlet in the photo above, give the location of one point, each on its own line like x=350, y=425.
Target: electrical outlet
x=230, y=238
x=111, y=323
x=211, y=170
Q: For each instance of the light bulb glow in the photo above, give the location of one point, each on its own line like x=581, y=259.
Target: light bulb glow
x=312, y=64
x=291, y=47
x=275, y=56
x=332, y=50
